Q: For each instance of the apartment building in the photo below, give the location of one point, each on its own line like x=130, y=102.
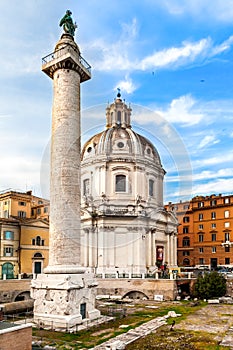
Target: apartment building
x=24, y=234
x=23, y=205
x=205, y=234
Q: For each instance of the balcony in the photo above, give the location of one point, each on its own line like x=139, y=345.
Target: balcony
x=59, y=53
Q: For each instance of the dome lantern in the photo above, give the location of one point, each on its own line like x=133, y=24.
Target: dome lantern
x=118, y=114
x=119, y=138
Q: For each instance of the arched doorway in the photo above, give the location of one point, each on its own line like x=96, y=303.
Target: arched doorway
x=8, y=270
x=134, y=294
x=23, y=296
x=37, y=263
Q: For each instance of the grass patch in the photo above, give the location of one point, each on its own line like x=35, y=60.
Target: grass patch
x=135, y=316
x=176, y=340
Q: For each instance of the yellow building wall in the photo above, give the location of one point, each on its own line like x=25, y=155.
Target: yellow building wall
x=28, y=249
x=15, y=207
x=13, y=259
x=23, y=205
x=31, y=220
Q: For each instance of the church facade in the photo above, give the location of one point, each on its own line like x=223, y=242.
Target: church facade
x=126, y=232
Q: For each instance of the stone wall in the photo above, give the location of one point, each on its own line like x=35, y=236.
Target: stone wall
x=229, y=287
x=10, y=289
x=148, y=288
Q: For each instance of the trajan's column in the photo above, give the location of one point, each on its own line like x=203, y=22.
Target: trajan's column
x=65, y=294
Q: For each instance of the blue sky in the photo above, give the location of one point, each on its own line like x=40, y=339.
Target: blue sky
x=172, y=60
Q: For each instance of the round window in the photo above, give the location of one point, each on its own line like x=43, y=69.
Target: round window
x=89, y=149
x=148, y=151
x=120, y=144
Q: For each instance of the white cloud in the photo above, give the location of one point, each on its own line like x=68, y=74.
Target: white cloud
x=216, y=160
x=126, y=85
x=129, y=30
x=108, y=57
x=181, y=110
x=224, y=46
x=177, y=56
x=119, y=54
x=114, y=55
x=222, y=186
x=143, y=115
x=204, y=175
x=208, y=140
x=217, y=186
x=208, y=174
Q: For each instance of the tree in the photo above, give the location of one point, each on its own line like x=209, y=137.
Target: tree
x=210, y=285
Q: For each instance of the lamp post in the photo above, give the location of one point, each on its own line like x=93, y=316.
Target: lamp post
x=227, y=244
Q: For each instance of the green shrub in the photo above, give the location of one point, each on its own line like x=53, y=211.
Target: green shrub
x=210, y=285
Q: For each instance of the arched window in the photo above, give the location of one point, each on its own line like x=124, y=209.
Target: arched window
x=186, y=262
x=120, y=183
x=151, y=188
x=126, y=119
x=86, y=187
x=38, y=255
x=119, y=117
x=186, y=242
x=8, y=270
x=37, y=241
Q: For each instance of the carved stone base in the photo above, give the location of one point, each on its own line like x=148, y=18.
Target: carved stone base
x=63, y=301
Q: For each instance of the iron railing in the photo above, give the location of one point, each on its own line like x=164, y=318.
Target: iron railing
x=60, y=52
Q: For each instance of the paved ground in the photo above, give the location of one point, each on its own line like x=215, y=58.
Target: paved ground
x=120, y=341
x=215, y=319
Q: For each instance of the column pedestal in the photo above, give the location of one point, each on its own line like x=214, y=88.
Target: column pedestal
x=63, y=301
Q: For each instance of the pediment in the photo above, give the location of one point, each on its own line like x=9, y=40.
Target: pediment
x=36, y=223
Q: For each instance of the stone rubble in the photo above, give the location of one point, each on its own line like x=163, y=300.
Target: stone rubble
x=120, y=341
x=228, y=338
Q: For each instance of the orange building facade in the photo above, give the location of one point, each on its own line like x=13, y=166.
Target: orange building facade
x=205, y=236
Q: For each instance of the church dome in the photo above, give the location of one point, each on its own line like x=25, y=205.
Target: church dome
x=119, y=140
x=125, y=228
